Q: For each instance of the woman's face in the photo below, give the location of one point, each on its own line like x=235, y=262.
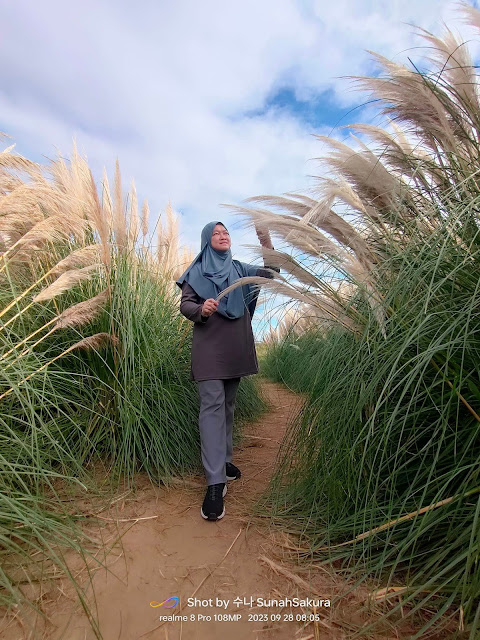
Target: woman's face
x=220, y=238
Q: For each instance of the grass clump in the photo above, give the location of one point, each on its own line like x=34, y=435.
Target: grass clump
x=380, y=473
x=95, y=363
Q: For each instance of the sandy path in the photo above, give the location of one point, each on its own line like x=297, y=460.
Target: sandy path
x=173, y=551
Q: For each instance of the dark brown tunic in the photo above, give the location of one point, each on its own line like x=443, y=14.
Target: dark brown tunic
x=221, y=348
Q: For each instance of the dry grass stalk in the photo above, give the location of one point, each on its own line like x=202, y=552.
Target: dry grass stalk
x=134, y=225
x=28, y=196
x=286, y=262
x=294, y=321
x=406, y=517
x=144, y=221
x=107, y=205
x=120, y=226
x=160, y=240
x=373, y=182
x=471, y=16
x=80, y=258
x=320, y=214
x=14, y=225
x=393, y=191
x=263, y=236
x=95, y=342
x=170, y=240
x=66, y=281
x=99, y=222
x=406, y=95
x=387, y=592
x=288, y=574
x=18, y=163
x=275, y=286
x=53, y=228
x=340, y=189
x=23, y=353
x=83, y=312
x=305, y=237
x=452, y=59
x=8, y=182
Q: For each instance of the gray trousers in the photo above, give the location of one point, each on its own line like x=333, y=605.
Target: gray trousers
x=217, y=405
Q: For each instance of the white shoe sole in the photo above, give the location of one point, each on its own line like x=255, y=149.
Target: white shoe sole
x=206, y=517
x=230, y=478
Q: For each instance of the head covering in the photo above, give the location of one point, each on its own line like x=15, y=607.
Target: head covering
x=213, y=270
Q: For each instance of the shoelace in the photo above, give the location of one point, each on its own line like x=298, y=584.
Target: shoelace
x=212, y=491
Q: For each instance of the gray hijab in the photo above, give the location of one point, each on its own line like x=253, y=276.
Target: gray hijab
x=214, y=270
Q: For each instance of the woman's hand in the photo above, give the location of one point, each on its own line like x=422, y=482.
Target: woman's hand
x=209, y=307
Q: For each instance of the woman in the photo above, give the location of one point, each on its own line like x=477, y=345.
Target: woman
x=223, y=350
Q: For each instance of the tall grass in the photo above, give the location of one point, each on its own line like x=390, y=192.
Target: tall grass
x=95, y=359
x=385, y=472
x=380, y=472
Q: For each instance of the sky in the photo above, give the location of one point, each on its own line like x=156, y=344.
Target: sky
x=203, y=103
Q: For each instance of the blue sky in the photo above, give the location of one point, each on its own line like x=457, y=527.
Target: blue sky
x=203, y=103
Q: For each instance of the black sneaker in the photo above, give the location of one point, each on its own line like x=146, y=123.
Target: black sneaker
x=233, y=472
x=212, y=508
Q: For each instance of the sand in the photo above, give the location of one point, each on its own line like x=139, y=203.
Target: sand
x=169, y=550
x=161, y=548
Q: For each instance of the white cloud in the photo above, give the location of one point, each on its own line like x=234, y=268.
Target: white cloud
x=164, y=86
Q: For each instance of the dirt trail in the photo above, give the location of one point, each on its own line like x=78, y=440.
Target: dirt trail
x=172, y=551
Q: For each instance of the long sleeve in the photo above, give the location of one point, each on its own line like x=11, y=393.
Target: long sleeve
x=266, y=274
x=190, y=306
x=254, y=270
